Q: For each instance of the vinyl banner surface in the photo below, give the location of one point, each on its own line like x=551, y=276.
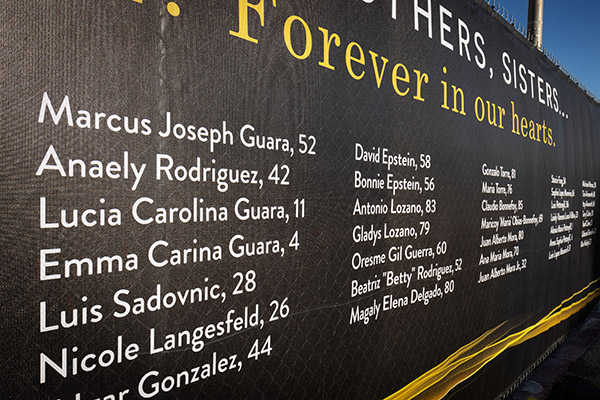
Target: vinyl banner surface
x=341, y=199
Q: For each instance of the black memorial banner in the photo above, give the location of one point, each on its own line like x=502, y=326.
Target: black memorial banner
x=287, y=199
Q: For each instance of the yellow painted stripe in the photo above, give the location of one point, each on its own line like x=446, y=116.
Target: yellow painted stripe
x=466, y=361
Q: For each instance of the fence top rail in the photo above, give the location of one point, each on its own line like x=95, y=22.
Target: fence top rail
x=497, y=8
